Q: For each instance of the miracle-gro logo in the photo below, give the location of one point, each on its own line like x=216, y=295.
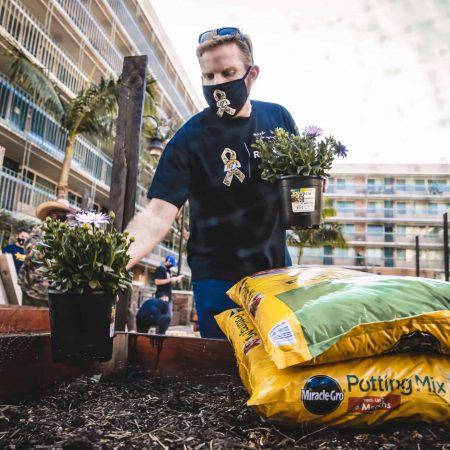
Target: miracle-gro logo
x=321, y=394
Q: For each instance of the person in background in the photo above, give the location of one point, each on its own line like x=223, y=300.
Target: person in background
x=154, y=312
x=235, y=224
x=34, y=286
x=17, y=249
x=164, y=279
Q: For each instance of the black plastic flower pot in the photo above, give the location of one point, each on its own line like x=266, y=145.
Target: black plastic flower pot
x=82, y=326
x=301, y=201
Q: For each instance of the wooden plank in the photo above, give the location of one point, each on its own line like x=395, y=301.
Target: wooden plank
x=9, y=279
x=26, y=363
x=122, y=195
x=15, y=319
x=201, y=360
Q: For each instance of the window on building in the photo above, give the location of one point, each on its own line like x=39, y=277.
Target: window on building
x=401, y=207
x=400, y=230
x=345, y=206
x=400, y=185
x=432, y=208
x=371, y=207
x=436, y=187
x=308, y=251
x=374, y=253
x=348, y=228
x=401, y=254
x=344, y=252
x=375, y=229
x=44, y=183
x=419, y=185
x=340, y=183
x=74, y=199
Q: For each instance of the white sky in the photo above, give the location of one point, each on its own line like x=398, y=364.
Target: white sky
x=374, y=73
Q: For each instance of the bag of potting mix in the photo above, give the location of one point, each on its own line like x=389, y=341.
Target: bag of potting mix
x=322, y=314
x=358, y=392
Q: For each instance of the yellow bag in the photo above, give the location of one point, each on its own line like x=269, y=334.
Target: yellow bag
x=323, y=314
x=357, y=392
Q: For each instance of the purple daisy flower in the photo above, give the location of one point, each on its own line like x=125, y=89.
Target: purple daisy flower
x=313, y=131
x=341, y=149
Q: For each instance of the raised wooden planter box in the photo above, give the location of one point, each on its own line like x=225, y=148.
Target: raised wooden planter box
x=26, y=363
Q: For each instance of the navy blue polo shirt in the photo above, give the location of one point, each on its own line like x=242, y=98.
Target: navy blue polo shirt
x=235, y=227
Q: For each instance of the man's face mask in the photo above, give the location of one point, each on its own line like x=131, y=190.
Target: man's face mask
x=21, y=241
x=227, y=99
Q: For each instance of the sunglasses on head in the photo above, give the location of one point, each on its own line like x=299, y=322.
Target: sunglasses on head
x=226, y=31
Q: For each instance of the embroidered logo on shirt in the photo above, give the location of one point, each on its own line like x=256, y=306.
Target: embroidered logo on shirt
x=232, y=166
x=223, y=103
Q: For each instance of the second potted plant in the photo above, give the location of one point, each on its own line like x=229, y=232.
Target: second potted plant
x=300, y=164
x=84, y=260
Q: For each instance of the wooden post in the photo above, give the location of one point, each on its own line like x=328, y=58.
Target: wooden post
x=417, y=257
x=126, y=153
x=9, y=279
x=446, y=262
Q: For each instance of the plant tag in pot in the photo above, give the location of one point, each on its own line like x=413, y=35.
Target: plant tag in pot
x=303, y=199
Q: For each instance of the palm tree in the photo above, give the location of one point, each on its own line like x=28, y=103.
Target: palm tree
x=32, y=78
x=329, y=234
x=92, y=112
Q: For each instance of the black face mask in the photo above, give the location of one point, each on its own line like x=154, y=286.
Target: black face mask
x=227, y=99
x=21, y=241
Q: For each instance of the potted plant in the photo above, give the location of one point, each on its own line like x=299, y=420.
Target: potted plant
x=300, y=164
x=84, y=260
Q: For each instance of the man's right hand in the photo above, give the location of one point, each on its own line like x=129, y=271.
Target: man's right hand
x=177, y=279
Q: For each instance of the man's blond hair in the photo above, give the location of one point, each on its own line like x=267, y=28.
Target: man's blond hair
x=243, y=41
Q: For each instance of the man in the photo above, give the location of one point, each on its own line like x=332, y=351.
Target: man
x=17, y=249
x=154, y=312
x=33, y=284
x=164, y=279
x=235, y=227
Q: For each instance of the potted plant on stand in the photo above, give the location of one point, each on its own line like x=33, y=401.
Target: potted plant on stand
x=84, y=261
x=300, y=164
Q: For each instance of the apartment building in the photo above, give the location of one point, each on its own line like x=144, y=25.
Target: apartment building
x=382, y=208
x=77, y=41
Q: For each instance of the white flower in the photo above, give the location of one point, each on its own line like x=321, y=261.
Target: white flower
x=90, y=217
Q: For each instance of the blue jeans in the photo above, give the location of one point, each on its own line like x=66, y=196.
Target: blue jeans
x=210, y=299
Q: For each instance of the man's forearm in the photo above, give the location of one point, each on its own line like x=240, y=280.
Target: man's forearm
x=149, y=227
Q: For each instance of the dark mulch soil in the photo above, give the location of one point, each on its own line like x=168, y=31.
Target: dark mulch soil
x=162, y=413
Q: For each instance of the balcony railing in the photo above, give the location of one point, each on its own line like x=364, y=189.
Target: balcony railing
x=431, y=189
x=94, y=33
x=389, y=213
x=393, y=238
x=373, y=262
x=18, y=23
x=20, y=113
x=145, y=47
x=21, y=195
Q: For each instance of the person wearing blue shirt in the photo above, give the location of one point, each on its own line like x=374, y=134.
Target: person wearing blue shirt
x=235, y=226
x=154, y=312
x=17, y=250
